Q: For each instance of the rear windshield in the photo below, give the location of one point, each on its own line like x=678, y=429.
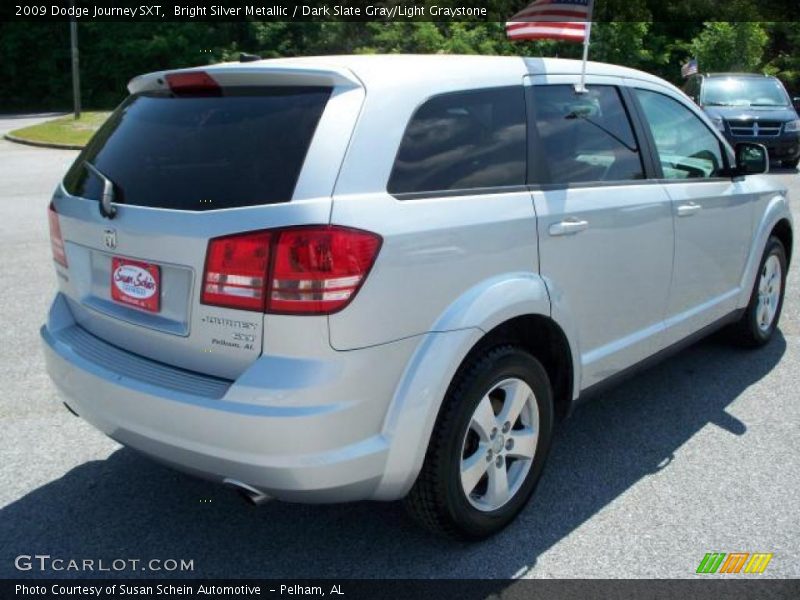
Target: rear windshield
x=202, y=153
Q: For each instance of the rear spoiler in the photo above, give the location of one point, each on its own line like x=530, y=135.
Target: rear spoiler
x=234, y=75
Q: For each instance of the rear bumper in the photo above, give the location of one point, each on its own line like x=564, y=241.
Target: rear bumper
x=314, y=437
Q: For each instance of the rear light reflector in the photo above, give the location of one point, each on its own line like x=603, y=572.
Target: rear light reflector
x=297, y=270
x=193, y=83
x=236, y=271
x=56, y=241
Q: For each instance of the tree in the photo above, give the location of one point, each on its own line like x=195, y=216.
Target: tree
x=647, y=36
x=622, y=44
x=727, y=46
x=784, y=61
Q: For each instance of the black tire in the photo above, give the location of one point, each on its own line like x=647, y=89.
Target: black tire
x=746, y=331
x=437, y=501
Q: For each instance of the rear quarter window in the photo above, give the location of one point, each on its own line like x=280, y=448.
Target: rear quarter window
x=463, y=141
x=243, y=148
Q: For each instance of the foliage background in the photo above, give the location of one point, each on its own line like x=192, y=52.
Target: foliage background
x=35, y=65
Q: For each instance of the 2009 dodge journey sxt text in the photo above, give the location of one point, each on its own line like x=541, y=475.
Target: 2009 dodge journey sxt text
x=376, y=277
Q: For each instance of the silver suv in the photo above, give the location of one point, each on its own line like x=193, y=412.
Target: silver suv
x=376, y=277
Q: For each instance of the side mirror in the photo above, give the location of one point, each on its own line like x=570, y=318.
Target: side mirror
x=751, y=159
x=796, y=102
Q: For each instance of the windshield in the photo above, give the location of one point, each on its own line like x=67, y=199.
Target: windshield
x=202, y=153
x=744, y=91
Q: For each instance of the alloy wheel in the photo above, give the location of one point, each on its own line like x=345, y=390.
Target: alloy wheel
x=499, y=444
x=769, y=293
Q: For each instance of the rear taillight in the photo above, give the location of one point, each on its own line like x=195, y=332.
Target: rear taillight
x=192, y=83
x=298, y=270
x=317, y=270
x=56, y=241
x=236, y=271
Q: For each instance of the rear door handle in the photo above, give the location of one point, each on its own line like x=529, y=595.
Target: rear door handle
x=687, y=210
x=568, y=227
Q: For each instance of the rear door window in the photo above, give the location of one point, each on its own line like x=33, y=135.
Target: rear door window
x=243, y=148
x=463, y=141
x=584, y=137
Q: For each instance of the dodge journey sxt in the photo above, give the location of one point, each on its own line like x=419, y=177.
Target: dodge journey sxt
x=381, y=277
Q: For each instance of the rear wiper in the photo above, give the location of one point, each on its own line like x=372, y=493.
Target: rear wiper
x=107, y=209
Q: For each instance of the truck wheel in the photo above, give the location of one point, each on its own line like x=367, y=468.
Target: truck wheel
x=761, y=317
x=488, y=447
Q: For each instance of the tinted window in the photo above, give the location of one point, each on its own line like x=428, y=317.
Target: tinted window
x=686, y=147
x=585, y=137
x=464, y=140
x=203, y=153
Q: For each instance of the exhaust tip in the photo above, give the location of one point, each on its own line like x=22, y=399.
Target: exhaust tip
x=248, y=493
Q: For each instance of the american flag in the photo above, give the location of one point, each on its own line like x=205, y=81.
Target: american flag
x=551, y=19
x=690, y=68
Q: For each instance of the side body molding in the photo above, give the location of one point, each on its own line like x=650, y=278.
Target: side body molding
x=418, y=397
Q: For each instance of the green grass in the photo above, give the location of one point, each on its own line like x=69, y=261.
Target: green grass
x=64, y=130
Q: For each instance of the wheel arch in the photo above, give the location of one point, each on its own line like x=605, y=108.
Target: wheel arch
x=512, y=309
x=546, y=341
x=783, y=231
x=775, y=220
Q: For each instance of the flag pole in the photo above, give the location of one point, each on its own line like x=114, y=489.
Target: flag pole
x=581, y=87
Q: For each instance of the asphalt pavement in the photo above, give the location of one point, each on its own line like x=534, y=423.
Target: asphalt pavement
x=698, y=454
